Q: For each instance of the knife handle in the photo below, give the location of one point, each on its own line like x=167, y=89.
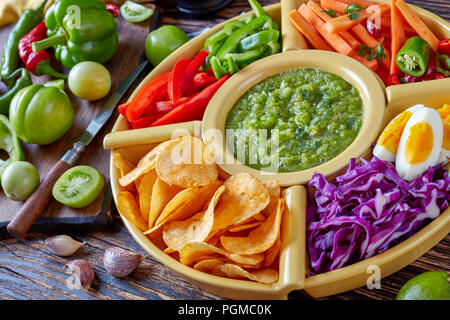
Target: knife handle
x=38, y=201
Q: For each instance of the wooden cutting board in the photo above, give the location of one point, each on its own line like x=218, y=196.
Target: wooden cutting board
x=58, y=217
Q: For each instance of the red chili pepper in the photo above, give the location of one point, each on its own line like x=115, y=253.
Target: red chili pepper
x=144, y=102
x=194, y=108
x=411, y=79
x=37, y=62
x=176, y=80
x=202, y=80
x=113, y=9
x=193, y=69
x=392, y=80
x=444, y=46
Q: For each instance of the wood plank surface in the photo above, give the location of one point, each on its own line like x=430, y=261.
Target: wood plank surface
x=126, y=59
x=27, y=271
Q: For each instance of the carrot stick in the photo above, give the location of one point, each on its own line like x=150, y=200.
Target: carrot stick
x=318, y=10
x=372, y=64
x=308, y=31
x=334, y=40
x=360, y=32
x=398, y=36
x=417, y=24
x=344, y=23
x=337, y=6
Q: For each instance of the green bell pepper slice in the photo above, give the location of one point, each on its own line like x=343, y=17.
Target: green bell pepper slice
x=218, y=70
x=257, y=8
x=80, y=30
x=10, y=143
x=232, y=42
x=247, y=57
x=258, y=39
x=232, y=65
x=413, y=57
x=23, y=79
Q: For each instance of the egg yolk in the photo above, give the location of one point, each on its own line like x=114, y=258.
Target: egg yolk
x=390, y=138
x=419, y=143
x=445, y=115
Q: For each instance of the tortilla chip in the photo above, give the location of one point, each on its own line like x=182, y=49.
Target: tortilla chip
x=129, y=207
x=177, y=234
x=161, y=195
x=147, y=163
x=145, y=190
x=246, y=226
x=187, y=203
x=193, y=252
x=274, y=189
x=266, y=276
x=244, y=197
x=258, y=240
x=186, y=162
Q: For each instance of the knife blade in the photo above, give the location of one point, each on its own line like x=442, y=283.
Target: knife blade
x=107, y=109
x=38, y=201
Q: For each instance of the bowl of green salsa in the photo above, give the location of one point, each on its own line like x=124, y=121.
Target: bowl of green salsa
x=295, y=113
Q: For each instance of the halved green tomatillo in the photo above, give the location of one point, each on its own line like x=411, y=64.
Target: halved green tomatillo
x=135, y=12
x=79, y=186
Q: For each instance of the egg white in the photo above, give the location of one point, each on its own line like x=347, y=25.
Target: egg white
x=410, y=171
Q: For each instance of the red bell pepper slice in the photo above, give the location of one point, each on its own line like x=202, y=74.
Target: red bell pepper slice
x=192, y=70
x=202, y=80
x=438, y=76
x=392, y=80
x=123, y=108
x=153, y=91
x=176, y=79
x=194, y=108
x=444, y=46
x=145, y=122
x=210, y=72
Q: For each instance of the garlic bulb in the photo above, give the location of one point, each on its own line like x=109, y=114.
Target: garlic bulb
x=82, y=274
x=63, y=245
x=119, y=262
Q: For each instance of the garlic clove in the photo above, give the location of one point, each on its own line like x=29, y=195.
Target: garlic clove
x=63, y=245
x=82, y=274
x=119, y=262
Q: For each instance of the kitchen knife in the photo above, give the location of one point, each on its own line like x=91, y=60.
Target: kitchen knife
x=39, y=200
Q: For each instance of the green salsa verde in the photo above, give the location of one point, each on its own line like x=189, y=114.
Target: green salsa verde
x=311, y=117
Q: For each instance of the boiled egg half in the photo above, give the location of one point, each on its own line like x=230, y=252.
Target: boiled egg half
x=420, y=143
x=387, y=144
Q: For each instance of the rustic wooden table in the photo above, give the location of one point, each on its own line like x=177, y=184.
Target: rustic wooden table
x=27, y=271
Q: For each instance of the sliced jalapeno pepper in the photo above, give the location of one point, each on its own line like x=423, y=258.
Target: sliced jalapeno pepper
x=446, y=59
x=413, y=57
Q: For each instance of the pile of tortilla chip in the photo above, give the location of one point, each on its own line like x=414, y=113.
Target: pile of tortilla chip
x=228, y=228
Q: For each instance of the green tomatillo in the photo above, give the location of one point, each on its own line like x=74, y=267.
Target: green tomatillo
x=162, y=42
x=41, y=114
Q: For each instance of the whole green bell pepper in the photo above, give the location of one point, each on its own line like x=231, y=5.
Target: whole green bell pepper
x=80, y=30
x=22, y=79
x=41, y=114
x=10, y=143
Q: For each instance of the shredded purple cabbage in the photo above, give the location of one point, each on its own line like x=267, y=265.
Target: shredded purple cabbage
x=368, y=210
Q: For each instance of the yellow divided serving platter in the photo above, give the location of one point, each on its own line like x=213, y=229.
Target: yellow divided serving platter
x=294, y=262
